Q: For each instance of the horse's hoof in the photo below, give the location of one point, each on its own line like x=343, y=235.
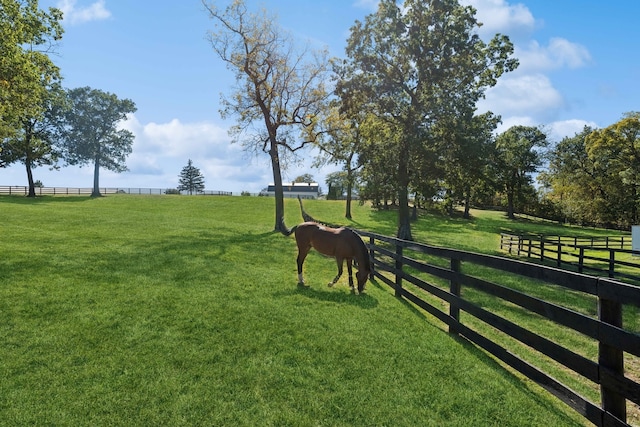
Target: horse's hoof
x=330, y=285
x=303, y=285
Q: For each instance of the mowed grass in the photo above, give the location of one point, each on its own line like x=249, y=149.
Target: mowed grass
x=176, y=310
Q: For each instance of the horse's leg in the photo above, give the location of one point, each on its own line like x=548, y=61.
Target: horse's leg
x=350, y=271
x=339, y=261
x=302, y=254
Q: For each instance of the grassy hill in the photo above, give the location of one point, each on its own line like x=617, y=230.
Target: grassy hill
x=162, y=310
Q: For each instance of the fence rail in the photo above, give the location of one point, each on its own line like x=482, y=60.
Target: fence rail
x=595, y=255
x=449, y=274
x=41, y=191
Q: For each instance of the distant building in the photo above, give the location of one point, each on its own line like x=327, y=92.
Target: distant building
x=306, y=190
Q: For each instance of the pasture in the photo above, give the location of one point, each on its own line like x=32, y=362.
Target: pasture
x=177, y=310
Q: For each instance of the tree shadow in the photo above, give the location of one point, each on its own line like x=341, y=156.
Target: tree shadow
x=24, y=200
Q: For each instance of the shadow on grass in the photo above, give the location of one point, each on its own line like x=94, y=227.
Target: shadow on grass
x=24, y=200
x=364, y=300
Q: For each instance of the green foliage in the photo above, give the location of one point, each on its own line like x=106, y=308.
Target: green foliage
x=306, y=178
x=413, y=67
x=154, y=310
x=35, y=143
x=593, y=176
x=517, y=157
x=92, y=134
x=27, y=75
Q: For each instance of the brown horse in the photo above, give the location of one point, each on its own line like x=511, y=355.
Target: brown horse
x=340, y=243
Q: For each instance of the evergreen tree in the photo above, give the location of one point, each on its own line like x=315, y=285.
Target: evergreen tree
x=191, y=179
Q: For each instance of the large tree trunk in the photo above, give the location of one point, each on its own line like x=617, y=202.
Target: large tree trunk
x=279, y=193
x=27, y=164
x=347, y=213
x=96, y=179
x=467, y=202
x=510, y=209
x=404, y=214
x=32, y=188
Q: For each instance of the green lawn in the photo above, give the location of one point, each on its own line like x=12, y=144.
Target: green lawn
x=177, y=310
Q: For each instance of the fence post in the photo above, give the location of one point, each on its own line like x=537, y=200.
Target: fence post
x=454, y=289
x=611, y=358
x=581, y=260
x=612, y=262
x=520, y=244
x=398, y=270
x=371, y=256
x=559, y=253
x=541, y=249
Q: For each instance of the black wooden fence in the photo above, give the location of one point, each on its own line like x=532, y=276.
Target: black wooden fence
x=55, y=191
x=601, y=255
x=438, y=281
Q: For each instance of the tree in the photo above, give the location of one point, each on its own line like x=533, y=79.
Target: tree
x=464, y=156
x=572, y=182
x=306, y=178
x=616, y=149
x=26, y=35
x=191, y=179
x=277, y=85
x=415, y=65
x=337, y=184
x=35, y=143
x=517, y=159
x=340, y=142
x=92, y=133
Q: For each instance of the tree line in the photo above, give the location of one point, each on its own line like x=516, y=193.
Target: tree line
x=398, y=114
x=42, y=123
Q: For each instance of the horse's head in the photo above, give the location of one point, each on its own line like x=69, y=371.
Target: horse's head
x=362, y=275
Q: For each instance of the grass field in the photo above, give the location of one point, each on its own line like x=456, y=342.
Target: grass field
x=163, y=310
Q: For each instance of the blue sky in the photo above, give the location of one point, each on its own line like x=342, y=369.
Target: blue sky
x=579, y=66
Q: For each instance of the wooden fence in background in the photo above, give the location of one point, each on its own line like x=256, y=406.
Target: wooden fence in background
x=436, y=285
x=600, y=255
x=53, y=191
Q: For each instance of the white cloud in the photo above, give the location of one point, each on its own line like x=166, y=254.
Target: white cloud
x=161, y=150
x=78, y=15
x=559, y=53
x=567, y=128
x=525, y=95
x=498, y=16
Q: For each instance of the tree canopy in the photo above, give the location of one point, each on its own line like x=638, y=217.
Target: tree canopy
x=92, y=133
x=279, y=87
x=414, y=66
x=27, y=34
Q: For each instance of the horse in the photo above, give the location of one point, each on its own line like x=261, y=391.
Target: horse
x=341, y=243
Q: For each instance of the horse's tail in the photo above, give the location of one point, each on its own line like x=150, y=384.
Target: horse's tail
x=288, y=231
x=305, y=215
x=309, y=218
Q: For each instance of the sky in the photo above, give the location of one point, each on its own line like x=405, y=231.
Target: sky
x=579, y=65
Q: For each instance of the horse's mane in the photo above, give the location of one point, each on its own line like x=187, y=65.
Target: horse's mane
x=363, y=249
